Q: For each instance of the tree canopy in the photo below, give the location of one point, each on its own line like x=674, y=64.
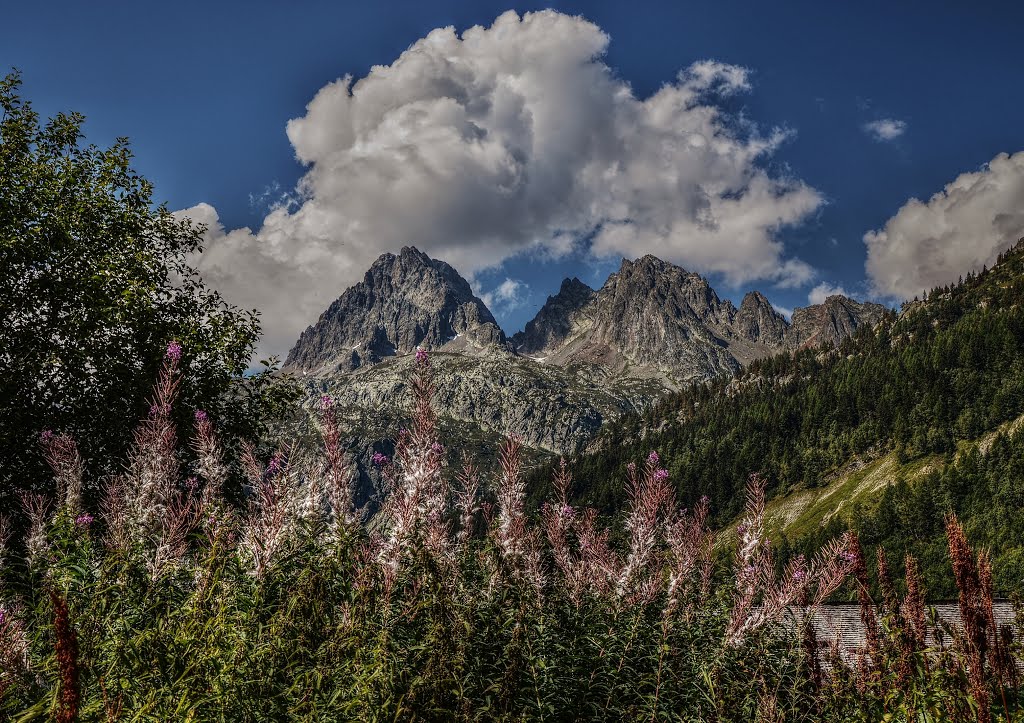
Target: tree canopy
x=96, y=282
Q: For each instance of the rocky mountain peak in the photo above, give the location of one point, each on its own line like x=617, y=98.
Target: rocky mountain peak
x=650, y=318
x=404, y=302
x=830, y=322
x=759, y=322
x=554, y=321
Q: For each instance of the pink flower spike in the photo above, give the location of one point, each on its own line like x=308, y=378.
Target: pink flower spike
x=174, y=351
x=84, y=519
x=326, y=402
x=201, y=416
x=653, y=458
x=421, y=356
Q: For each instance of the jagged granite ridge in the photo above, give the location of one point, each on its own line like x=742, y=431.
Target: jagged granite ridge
x=404, y=302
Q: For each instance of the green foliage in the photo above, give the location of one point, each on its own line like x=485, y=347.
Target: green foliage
x=94, y=283
x=985, y=491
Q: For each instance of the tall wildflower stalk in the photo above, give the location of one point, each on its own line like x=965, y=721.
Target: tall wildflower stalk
x=559, y=520
x=518, y=545
x=337, y=472
x=210, y=463
x=14, y=646
x=760, y=598
x=61, y=454
x=691, y=559
x=141, y=499
x=869, y=618
x=37, y=508
x=66, y=645
x=269, y=521
x=466, y=500
x=415, y=510
x=650, y=499
x=510, y=529
x=914, y=604
x=974, y=639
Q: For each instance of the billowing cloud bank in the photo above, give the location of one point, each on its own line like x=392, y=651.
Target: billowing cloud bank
x=961, y=228
x=511, y=139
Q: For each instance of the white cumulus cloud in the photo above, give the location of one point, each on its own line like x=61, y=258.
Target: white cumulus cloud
x=506, y=140
x=508, y=295
x=960, y=229
x=885, y=129
x=824, y=290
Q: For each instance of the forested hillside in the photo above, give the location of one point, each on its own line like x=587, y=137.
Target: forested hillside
x=940, y=373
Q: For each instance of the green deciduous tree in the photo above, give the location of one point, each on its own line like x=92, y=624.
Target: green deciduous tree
x=95, y=282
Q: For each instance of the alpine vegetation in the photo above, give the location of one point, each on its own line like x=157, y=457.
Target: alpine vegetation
x=455, y=601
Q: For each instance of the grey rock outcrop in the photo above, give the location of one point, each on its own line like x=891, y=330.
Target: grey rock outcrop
x=758, y=321
x=828, y=323
x=404, y=302
x=553, y=323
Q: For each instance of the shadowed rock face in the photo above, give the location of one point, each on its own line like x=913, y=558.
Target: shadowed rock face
x=655, y=315
x=553, y=322
x=404, y=302
x=758, y=321
x=829, y=323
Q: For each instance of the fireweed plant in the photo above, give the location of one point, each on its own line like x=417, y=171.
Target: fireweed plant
x=453, y=602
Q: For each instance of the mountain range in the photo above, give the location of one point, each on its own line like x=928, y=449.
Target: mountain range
x=588, y=357
x=650, y=320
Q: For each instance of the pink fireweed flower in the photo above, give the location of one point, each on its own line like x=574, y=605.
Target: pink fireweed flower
x=174, y=351
x=201, y=416
x=159, y=410
x=326, y=402
x=379, y=459
x=421, y=356
x=653, y=458
x=661, y=475
x=61, y=454
x=84, y=519
x=631, y=467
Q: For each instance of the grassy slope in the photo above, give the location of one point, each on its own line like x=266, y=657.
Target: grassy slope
x=858, y=485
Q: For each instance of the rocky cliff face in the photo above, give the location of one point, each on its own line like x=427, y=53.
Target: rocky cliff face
x=404, y=302
x=554, y=322
x=547, y=407
x=757, y=321
x=829, y=323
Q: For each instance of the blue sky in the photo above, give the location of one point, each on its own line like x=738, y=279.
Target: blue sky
x=204, y=91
